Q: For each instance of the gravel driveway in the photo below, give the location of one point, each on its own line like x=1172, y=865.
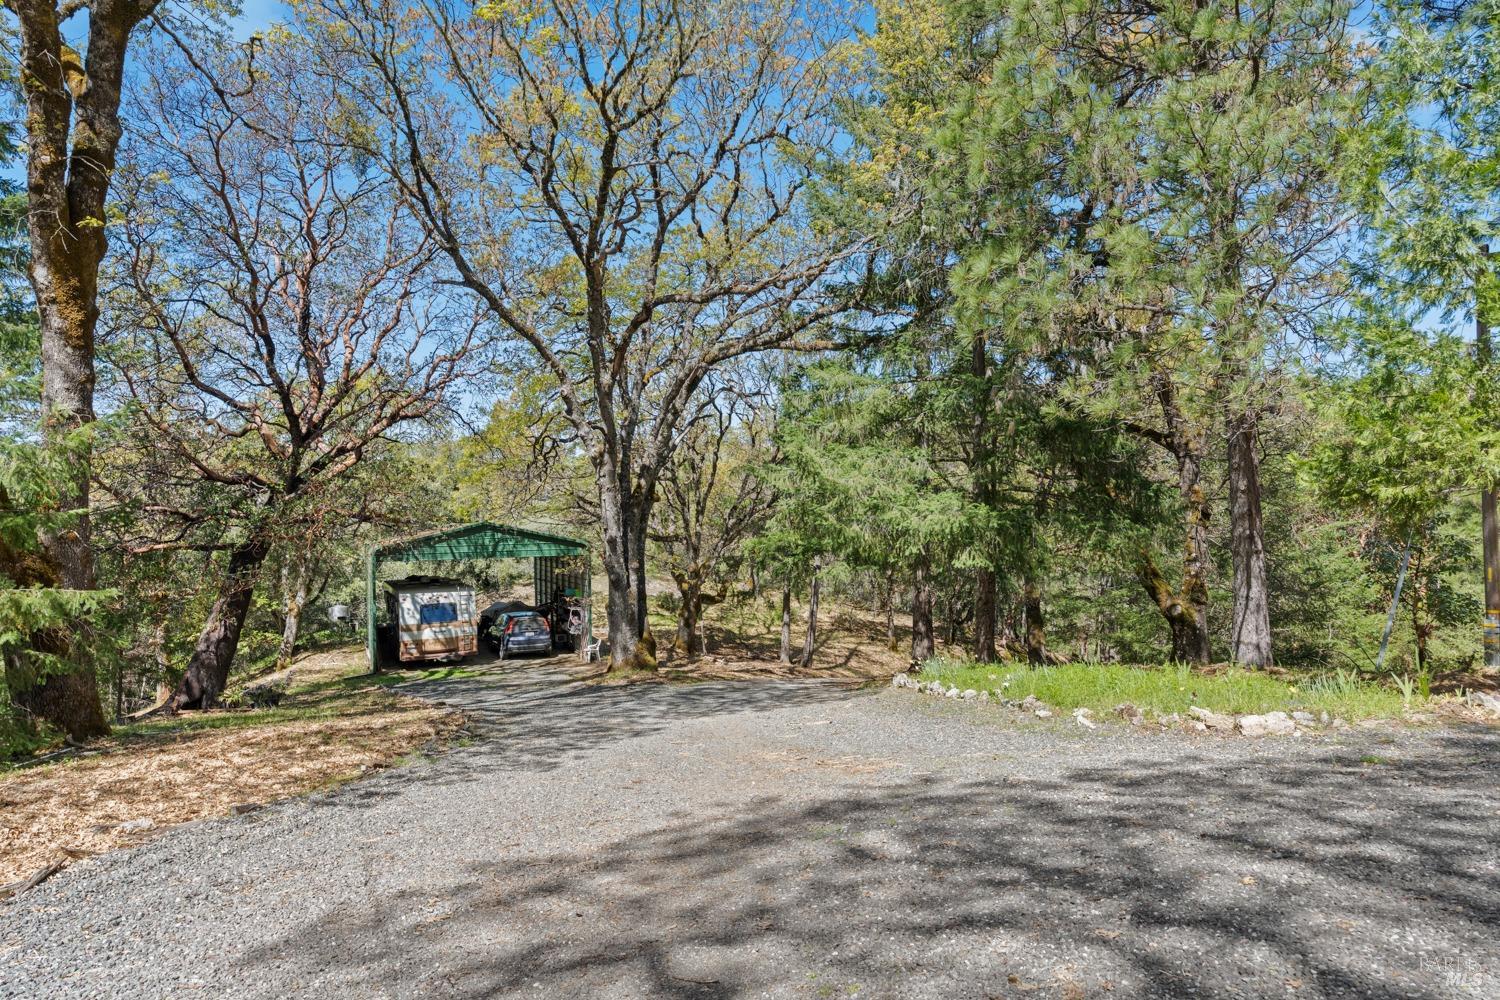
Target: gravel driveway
x=805, y=840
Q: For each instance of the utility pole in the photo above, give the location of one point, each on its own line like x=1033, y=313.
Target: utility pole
x=1490, y=525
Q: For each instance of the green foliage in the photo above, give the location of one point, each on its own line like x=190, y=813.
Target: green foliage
x=1414, y=424
x=1174, y=689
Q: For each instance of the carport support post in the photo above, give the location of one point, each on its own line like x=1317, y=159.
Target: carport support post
x=370, y=611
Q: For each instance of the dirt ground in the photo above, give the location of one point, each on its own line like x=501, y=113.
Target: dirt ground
x=744, y=643
x=331, y=728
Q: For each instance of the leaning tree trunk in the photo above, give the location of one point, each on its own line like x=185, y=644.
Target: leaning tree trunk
x=207, y=671
x=1185, y=609
x=923, y=642
x=1250, y=642
x=810, y=640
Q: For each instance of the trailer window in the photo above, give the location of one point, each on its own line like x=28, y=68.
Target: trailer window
x=439, y=613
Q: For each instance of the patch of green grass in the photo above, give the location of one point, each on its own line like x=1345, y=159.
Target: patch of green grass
x=386, y=678
x=229, y=720
x=1165, y=690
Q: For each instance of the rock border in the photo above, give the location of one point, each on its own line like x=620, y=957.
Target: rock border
x=1198, y=719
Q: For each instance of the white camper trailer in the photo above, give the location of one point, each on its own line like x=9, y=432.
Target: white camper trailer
x=434, y=618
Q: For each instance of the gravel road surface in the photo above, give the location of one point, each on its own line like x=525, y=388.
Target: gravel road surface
x=806, y=840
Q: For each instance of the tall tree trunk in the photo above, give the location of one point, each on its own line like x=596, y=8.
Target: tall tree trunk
x=72, y=132
x=983, y=471
x=810, y=641
x=1036, y=625
x=630, y=644
x=1250, y=640
x=1489, y=511
x=207, y=671
x=295, y=595
x=923, y=642
x=984, y=616
x=786, y=626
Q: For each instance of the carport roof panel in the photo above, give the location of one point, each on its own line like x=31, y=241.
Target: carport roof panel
x=480, y=540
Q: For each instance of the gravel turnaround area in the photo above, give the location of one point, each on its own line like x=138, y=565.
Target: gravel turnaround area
x=806, y=840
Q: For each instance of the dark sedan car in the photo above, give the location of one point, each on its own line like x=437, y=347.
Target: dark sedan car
x=519, y=632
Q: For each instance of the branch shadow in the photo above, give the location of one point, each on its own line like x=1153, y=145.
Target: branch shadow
x=1308, y=875
x=538, y=718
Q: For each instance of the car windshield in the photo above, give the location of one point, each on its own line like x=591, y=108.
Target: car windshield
x=439, y=613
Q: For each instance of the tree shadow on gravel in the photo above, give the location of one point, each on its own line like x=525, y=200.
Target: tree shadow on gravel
x=1320, y=874
x=538, y=719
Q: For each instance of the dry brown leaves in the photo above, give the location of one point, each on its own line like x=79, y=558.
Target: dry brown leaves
x=147, y=783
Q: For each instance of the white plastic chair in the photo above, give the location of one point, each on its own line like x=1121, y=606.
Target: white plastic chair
x=591, y=648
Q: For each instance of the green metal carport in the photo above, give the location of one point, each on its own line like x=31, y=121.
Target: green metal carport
x=549, y=555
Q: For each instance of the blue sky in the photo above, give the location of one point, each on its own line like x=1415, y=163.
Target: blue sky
x=255, y=15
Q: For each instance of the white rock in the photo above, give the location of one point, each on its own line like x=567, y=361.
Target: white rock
x=952, y=692
x=900, y=680
x=1083, y=717
x=1270, y=724
x=1200, y=727
x=136, y=825
x=1304, y=718
x=984, y=696
x=970, y=694
x=1485, y=701
x=1042, y=713
x=1213, y=720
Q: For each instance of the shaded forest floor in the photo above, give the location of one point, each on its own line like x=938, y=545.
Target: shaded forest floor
x=743, y=642
x=335, y=724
